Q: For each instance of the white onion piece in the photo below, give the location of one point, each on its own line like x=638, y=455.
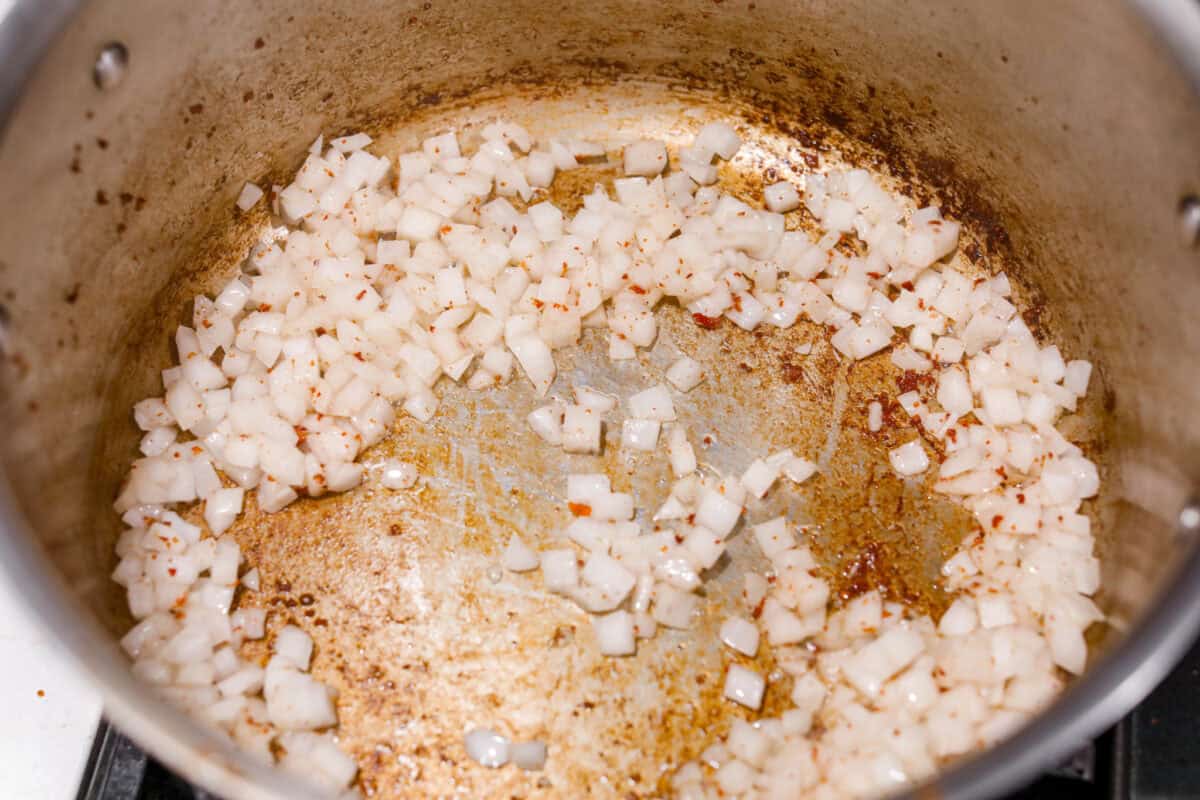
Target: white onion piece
x=781, y=197
x=744, y=686
x=615, y=633
x=529, y=756
x=559, y=570
x=740, y=634
x=486, y=747
x=680, y=452
x=909, y=459
x=518, y=557
x=640, y=434
x=581, y=429
x=398, y=475
x=645, y=157
x=546, y=422
x=874, y=416
x=685, y=374
x=759, y=477
x=249, y=196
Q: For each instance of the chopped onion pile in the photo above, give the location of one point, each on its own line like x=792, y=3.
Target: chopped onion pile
x=386, y=277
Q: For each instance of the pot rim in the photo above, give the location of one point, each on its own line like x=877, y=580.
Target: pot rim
x=1102, y=695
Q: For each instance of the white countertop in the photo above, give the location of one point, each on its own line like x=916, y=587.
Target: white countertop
x=49, y=714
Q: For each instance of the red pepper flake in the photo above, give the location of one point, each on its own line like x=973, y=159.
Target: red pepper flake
x=264, y=306
x=361, y=295
x=907, y=285
x=580, y=509
x=196, y=450
x=710, y=323
x=320, y=331
x=1021, y=498
x=758, y=609
x=359, y=356
x=538, y=304
x=171, y=571
x=205, y=323
x=952, y=435
x=637, y=289
x=996, y=520
x=41, y=693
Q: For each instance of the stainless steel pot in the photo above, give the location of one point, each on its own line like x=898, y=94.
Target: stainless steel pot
x=1062, y=134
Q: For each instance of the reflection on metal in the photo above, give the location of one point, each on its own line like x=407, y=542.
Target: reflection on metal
x=1189, y=220
x=111, y=64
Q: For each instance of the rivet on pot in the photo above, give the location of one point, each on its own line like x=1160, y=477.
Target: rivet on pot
x=1189, y=520
x=111, y=64
x=1189, y=220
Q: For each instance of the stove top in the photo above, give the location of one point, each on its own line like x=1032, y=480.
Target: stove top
x=1152, y=754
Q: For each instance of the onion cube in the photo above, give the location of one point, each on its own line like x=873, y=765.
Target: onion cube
x=612, y=506
x=717, y=513
x=734, y=778
x=798, y=470
x=1077, y=375
x=740, y=634
x=750, y=743
x=587, y=396
x=640, y=434
x=781, y=197
x=744, y=686
x=673, y=607
x=680, y=452
x=418, y=224
x=909, y=459
x=518, y=557
x=398, y=475
x=685, y=374
x=653, y=403
x=296, y=701
x=645, y=157
x=294, y=645
x=528, y=755
x=995, y=611
x=874, y=416
x=948, y=350
x=615, y=633
x=486, y=747
x=759, y=478
x=546, y=422
x=954, y=392
x=249, y=197
x=607, y=574
x=719, y=138
x=586, y=487
x=959, y=619
x=1001, y=405
x=881, y=658
x=560, y=570
x=222, y=507
x=581, y=430
x=704, y=547
x=773, y=537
